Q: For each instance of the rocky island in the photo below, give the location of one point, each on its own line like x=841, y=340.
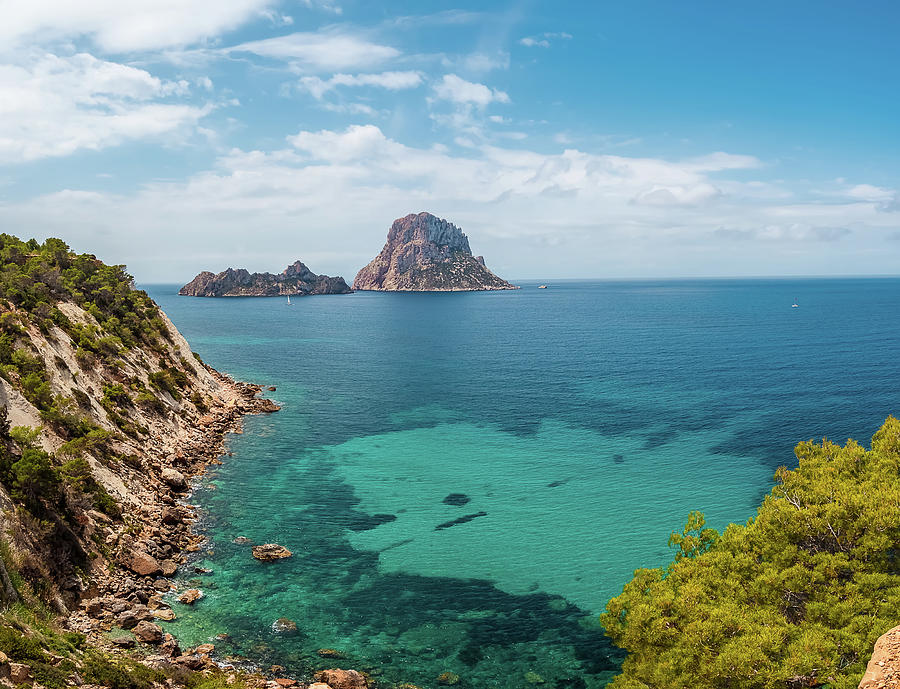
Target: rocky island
x=295, y=280
x=424, y=253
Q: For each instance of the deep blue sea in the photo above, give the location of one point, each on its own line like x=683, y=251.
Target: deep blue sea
x=465, y=479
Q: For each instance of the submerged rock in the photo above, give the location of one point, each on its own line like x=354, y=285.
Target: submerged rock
x=284, y=626
x=448, y=679
x=190, y=596
x=270, y=552
x=460, y=520
x=329, y=653
x=456, y=499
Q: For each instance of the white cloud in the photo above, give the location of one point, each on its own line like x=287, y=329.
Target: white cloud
x=527, y=211
x=55, y=105
x=543, y=40
x=392, y=81
x=869, y=192
x=320, y=51
x=119, y=27
x=457, y=90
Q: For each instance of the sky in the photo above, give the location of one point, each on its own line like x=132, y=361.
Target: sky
x=567, y=139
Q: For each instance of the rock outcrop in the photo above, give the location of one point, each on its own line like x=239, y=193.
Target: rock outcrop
x=295, y=280
x=424, y=253
x=883, y=671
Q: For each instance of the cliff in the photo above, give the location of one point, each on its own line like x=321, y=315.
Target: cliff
x=425, y=253
x=295, y=280
x=105, y=415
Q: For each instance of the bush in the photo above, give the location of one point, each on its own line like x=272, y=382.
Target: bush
x=796, y=597
x=99, y=669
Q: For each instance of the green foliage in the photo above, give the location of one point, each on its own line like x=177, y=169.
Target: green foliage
x=34, y=479
x=18, y=647
x=794, y=598
x=124, y=674
x=169, y=380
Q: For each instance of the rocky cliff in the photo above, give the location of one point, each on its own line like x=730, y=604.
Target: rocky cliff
x=424, y=253
x=295, y=280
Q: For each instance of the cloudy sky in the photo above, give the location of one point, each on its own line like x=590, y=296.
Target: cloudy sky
x=568, y=139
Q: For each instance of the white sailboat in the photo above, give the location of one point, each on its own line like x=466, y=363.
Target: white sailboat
x=796, y=304
x=289, y=299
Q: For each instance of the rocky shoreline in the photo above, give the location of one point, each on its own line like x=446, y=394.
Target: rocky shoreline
x=150, y=550
x=131, y=595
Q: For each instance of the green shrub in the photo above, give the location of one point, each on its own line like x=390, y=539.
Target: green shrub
x=796, y=597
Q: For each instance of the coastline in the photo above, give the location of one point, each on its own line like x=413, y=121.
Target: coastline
x=129, y=595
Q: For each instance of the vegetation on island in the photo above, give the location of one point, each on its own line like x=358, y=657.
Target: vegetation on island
x=794, y=598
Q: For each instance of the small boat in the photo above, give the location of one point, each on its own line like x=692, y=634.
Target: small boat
x=542, y=286
x=796, y=304
x=289, y=299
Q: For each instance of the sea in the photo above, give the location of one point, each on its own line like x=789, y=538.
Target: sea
x=465, y=479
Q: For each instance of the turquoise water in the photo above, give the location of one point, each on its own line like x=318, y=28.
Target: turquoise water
x=465, y=479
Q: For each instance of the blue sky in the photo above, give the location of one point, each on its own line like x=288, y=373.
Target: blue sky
x=568, y=139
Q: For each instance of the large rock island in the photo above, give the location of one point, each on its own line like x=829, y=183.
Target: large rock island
x=424, y=253
x=295, y=280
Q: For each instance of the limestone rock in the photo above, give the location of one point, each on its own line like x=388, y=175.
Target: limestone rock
x=143, y=564
x=448, y=679
x=148, y=632
x=341, y=679
x=270, y=552
x=284, y=626
x=190, y=596
x=883, y=669
x=19, y=672
x=424, y=253
x=295, y=280
x=174, y=479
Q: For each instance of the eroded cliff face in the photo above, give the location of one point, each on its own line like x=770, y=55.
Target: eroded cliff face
x=295, y=280
x=158, y=415
x=426, y=253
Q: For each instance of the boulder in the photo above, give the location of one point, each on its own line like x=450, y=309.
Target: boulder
x=164, y=614
x=270, y=552
x=171, y=516
x=284, y=626
x=329, y=653
x=127, y=619
x=190, y=596
x=123, y=641
x=142, y=564
x=168, y=567
x=19, y=673
x=205, y=649
x=148, y=632
x=169, y=646
x=342, y=679
x=174, y=479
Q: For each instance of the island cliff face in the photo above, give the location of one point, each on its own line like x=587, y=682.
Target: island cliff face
x=424, y=253
x=295, y=280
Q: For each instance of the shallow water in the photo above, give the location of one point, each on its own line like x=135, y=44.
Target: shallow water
x=465, y=479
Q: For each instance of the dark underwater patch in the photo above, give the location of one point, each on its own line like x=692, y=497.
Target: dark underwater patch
x=456, y=499
x=460, y=520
